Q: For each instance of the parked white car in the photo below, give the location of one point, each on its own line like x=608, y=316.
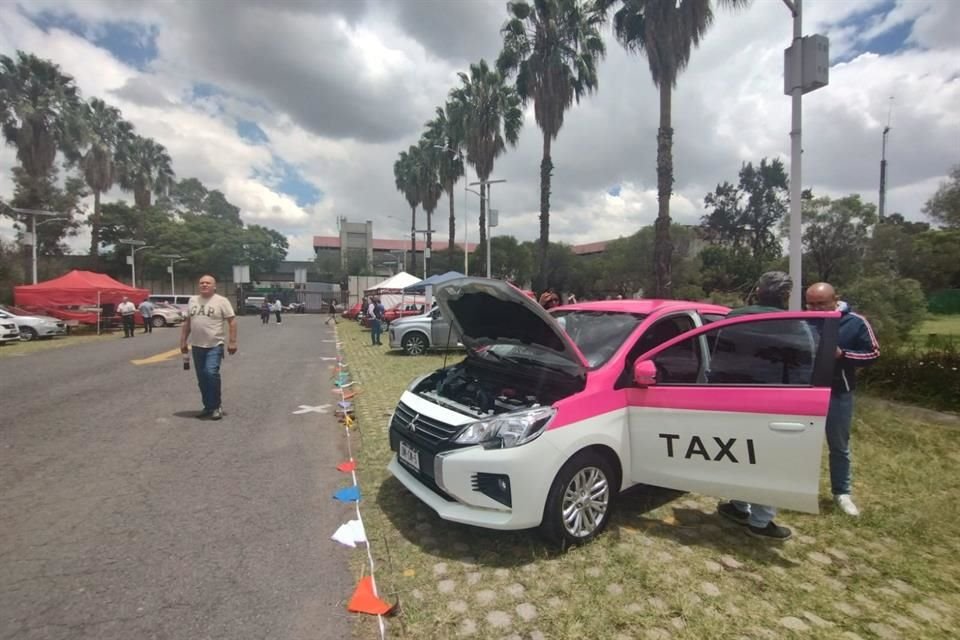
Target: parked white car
x=33, y=326
x=8, y=331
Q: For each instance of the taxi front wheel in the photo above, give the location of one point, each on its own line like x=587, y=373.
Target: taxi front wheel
x=580, y=501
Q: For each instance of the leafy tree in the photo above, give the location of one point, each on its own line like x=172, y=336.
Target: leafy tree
x=666, y=31
x=406, y=177
x=11, y=270
x=944, y=206
x=835, y=236
x=486, y=113
x=509, y=259
x=105, y=132
x=728, y=270
x=44, y=193
x=553, y=47
x=894, y=307
x=441, y=133
x=749, y=214
x=934, y=260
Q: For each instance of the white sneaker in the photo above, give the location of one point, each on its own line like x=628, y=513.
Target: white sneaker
x=845, y=502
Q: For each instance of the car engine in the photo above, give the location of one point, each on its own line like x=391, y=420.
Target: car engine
x=481, y=392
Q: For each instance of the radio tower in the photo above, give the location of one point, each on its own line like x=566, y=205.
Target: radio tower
x=883, y=162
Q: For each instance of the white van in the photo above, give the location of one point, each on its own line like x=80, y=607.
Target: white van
x=181, y=302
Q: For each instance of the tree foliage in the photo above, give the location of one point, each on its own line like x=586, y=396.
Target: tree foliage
x=944, y=206
x=836, y=234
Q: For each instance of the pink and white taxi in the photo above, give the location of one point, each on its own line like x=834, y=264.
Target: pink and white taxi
x=551, y=415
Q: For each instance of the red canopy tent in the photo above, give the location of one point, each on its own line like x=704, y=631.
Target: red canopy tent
x=78, y=295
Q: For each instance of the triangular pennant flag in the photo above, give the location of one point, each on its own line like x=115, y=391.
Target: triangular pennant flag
x=364, y=600
x=348, y=421
x=347, y=466
x=344, y=535
x=345, y=404
x=348, y=494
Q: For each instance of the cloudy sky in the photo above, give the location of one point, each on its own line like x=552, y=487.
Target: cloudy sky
x=297, y=110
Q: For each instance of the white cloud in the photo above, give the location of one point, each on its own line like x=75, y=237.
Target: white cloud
x=339, y=88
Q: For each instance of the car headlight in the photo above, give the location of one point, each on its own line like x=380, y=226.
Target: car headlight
x=508, y=429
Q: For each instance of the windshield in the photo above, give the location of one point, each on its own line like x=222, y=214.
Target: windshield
x=17, y=311
x=598, y=334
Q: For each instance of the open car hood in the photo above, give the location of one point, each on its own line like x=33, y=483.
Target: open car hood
x=487, y=312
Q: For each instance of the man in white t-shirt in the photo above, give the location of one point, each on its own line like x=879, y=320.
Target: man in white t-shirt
x=204, y=332
x=126, y=309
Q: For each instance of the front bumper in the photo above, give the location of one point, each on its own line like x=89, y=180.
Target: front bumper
x=447, y=480
x=47, y=331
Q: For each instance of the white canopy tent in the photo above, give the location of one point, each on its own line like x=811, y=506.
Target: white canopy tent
x=390, y=291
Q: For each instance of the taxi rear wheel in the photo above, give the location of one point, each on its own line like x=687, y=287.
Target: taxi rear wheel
x=580, y=500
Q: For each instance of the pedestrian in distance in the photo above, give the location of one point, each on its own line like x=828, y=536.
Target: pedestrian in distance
x=265, y=312
x=127, y=311
x=209, y=323
x=857, y=347
x=771, y=294
x=376, y=312
x=333, y=312
x=146, y=312
x=277, y=308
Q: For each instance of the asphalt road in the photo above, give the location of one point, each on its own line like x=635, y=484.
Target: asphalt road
x=123, y=516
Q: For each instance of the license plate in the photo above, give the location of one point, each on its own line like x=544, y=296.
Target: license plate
x=409, y=455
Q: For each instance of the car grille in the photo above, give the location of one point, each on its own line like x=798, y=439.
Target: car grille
x=426, y=430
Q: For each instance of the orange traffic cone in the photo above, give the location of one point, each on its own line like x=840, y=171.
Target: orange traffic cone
x=364, y=600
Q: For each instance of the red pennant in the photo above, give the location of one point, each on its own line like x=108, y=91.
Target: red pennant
x=363, y=600
x=347, y=466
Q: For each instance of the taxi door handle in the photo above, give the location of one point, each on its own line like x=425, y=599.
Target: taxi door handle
x=787, y=426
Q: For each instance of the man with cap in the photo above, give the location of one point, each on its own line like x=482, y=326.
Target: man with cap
x=772, y=294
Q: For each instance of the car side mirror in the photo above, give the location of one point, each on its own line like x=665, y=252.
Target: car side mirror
x=644, y=373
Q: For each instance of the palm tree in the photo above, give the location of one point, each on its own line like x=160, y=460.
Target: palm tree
x=145, y=169
x=406, y=179
x=106, y=132
x=553, y=46
x=443, y=135
x=666, y=31
x=430, y=189
x=486, y=111
x=39, y=106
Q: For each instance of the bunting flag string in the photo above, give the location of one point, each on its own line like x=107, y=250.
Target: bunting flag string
x=365, y=598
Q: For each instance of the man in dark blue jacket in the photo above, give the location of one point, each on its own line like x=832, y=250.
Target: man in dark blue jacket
x=857, y=346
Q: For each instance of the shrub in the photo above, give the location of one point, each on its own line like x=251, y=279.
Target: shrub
x=929, y=377
x=894, y=307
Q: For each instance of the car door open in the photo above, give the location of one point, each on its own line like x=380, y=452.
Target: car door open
x=736, y=409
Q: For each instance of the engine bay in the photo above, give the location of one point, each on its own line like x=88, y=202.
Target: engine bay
x=480, y=391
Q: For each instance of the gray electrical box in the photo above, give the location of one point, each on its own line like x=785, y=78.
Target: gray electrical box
x=816, y=64
x=494, y=217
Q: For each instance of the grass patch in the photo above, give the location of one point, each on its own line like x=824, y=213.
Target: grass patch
x=77, y=336
x=668, y=566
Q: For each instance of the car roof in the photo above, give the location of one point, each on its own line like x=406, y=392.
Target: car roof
x=644, y=306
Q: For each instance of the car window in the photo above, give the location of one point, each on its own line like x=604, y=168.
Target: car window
x=655, y=335
x=709, y=318
x=766, y=352
x=598, y=334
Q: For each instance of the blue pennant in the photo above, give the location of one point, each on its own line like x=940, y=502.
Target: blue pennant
x=348, y=494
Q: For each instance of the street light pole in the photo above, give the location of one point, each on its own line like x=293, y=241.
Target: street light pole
x=33, y=213
x=135, y=245
x=173, y=258
x=488, y=183
x=796, y=150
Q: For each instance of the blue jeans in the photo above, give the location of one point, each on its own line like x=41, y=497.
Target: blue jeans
x=839, y=418
x=760, y=514
x=375, y=331
x=207, y=364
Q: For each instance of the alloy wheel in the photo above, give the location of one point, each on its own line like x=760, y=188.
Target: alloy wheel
x=585, y=502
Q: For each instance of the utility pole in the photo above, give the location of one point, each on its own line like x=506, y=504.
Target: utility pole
x=33, y=213
x=883, y=164
x=806, y=68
